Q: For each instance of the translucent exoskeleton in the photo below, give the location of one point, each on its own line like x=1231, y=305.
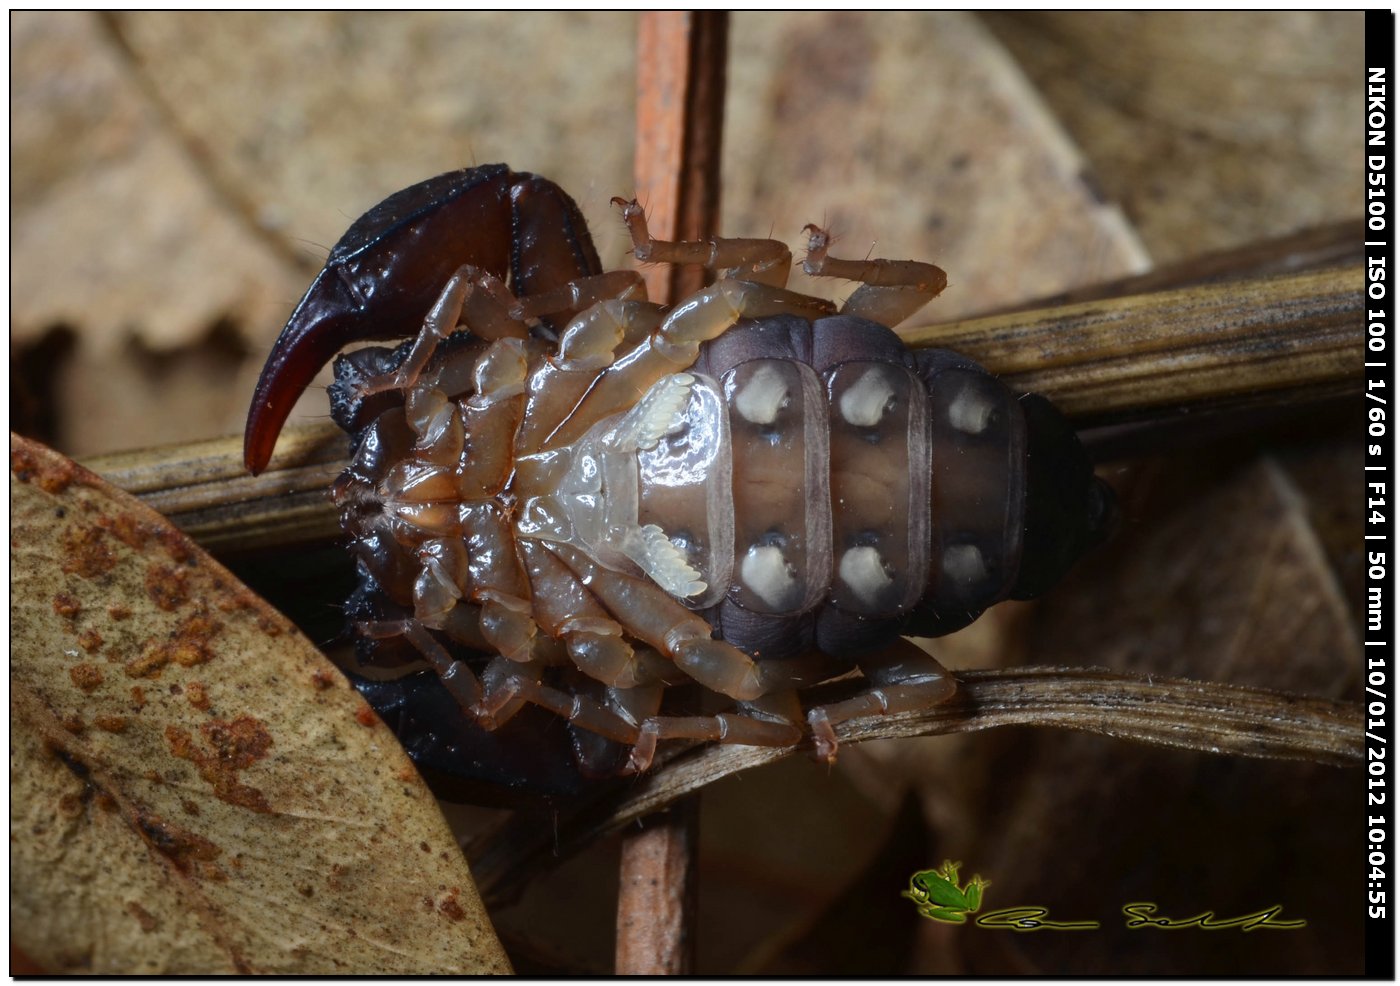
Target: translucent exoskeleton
x=565, y=496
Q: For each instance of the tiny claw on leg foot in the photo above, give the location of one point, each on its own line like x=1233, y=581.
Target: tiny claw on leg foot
x=818, y=242
x=644, y=750
x=824, y=741
x=635, y=218
x=493, y=702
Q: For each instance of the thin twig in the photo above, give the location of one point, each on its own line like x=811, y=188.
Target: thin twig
x=680, y=107
x=1204, y=717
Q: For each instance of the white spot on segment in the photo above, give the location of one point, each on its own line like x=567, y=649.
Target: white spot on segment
x=763, y=396
x=864, y=402
x=970, y=413
x=660, y=412
x=863, y=570
x=767, y=573
x=663, y=561
x=964, y=563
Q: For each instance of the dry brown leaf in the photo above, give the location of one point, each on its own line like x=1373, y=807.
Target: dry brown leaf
x=111, y=212
x=913, y=134
x=193, y=787
x=118, y=238
x=1203, y=149
x=311, y=117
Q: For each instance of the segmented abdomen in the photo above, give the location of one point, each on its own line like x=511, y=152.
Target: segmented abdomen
x=819, y=487
x=872, y=487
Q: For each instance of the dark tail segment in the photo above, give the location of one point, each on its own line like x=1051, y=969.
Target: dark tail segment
x=1056, y=511
x=1068, y=509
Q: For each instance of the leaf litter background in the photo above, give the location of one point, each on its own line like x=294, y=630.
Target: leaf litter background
x=176, y=179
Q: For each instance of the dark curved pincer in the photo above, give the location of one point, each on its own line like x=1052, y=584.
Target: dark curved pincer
x=385, y=272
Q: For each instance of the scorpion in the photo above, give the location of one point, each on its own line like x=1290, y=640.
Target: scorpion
x=563, y=495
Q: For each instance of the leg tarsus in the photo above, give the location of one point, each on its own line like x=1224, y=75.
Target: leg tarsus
x=824, y=742
x=469, y=290
x=644, y=750
x=500, y=702
x=903, y=678
x=761, y=261
x=890, y=290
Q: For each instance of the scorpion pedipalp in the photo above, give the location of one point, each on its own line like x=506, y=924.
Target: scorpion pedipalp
x=391, y=265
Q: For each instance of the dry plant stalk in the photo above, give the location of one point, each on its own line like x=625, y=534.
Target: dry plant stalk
x=1205, y=717
x=680, y=111
x=1119, y=358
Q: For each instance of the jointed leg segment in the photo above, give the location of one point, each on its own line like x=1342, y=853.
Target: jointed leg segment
x=890, y=290
x=903, y=678
x=760, y=261
x=481, y=585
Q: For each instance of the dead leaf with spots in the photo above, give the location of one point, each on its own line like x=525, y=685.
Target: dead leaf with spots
x=193, y=788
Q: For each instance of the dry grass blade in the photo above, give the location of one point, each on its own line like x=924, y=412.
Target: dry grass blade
x=203, y=488
x=1333, y=245
x=1118, y=358
x=680, y=109
x=1205, y=717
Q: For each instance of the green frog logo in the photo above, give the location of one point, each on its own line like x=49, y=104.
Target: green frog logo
x=939, y=897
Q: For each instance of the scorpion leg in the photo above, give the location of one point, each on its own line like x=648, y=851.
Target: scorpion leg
x=474, y=558
x=595, y=644
x=581, y=294
x=504, y=687
x=455, y=675
x=491, y=416
x=477, y=294
x=674, y=346
x=508, y=687
x=588, y=345
x=761, y=261
x=495, y=580
x=772, y=720
x=646, y=612
x=753, y=291
x=890, y=290
x=476, y=567
x=903, y=678
x=726, y=727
